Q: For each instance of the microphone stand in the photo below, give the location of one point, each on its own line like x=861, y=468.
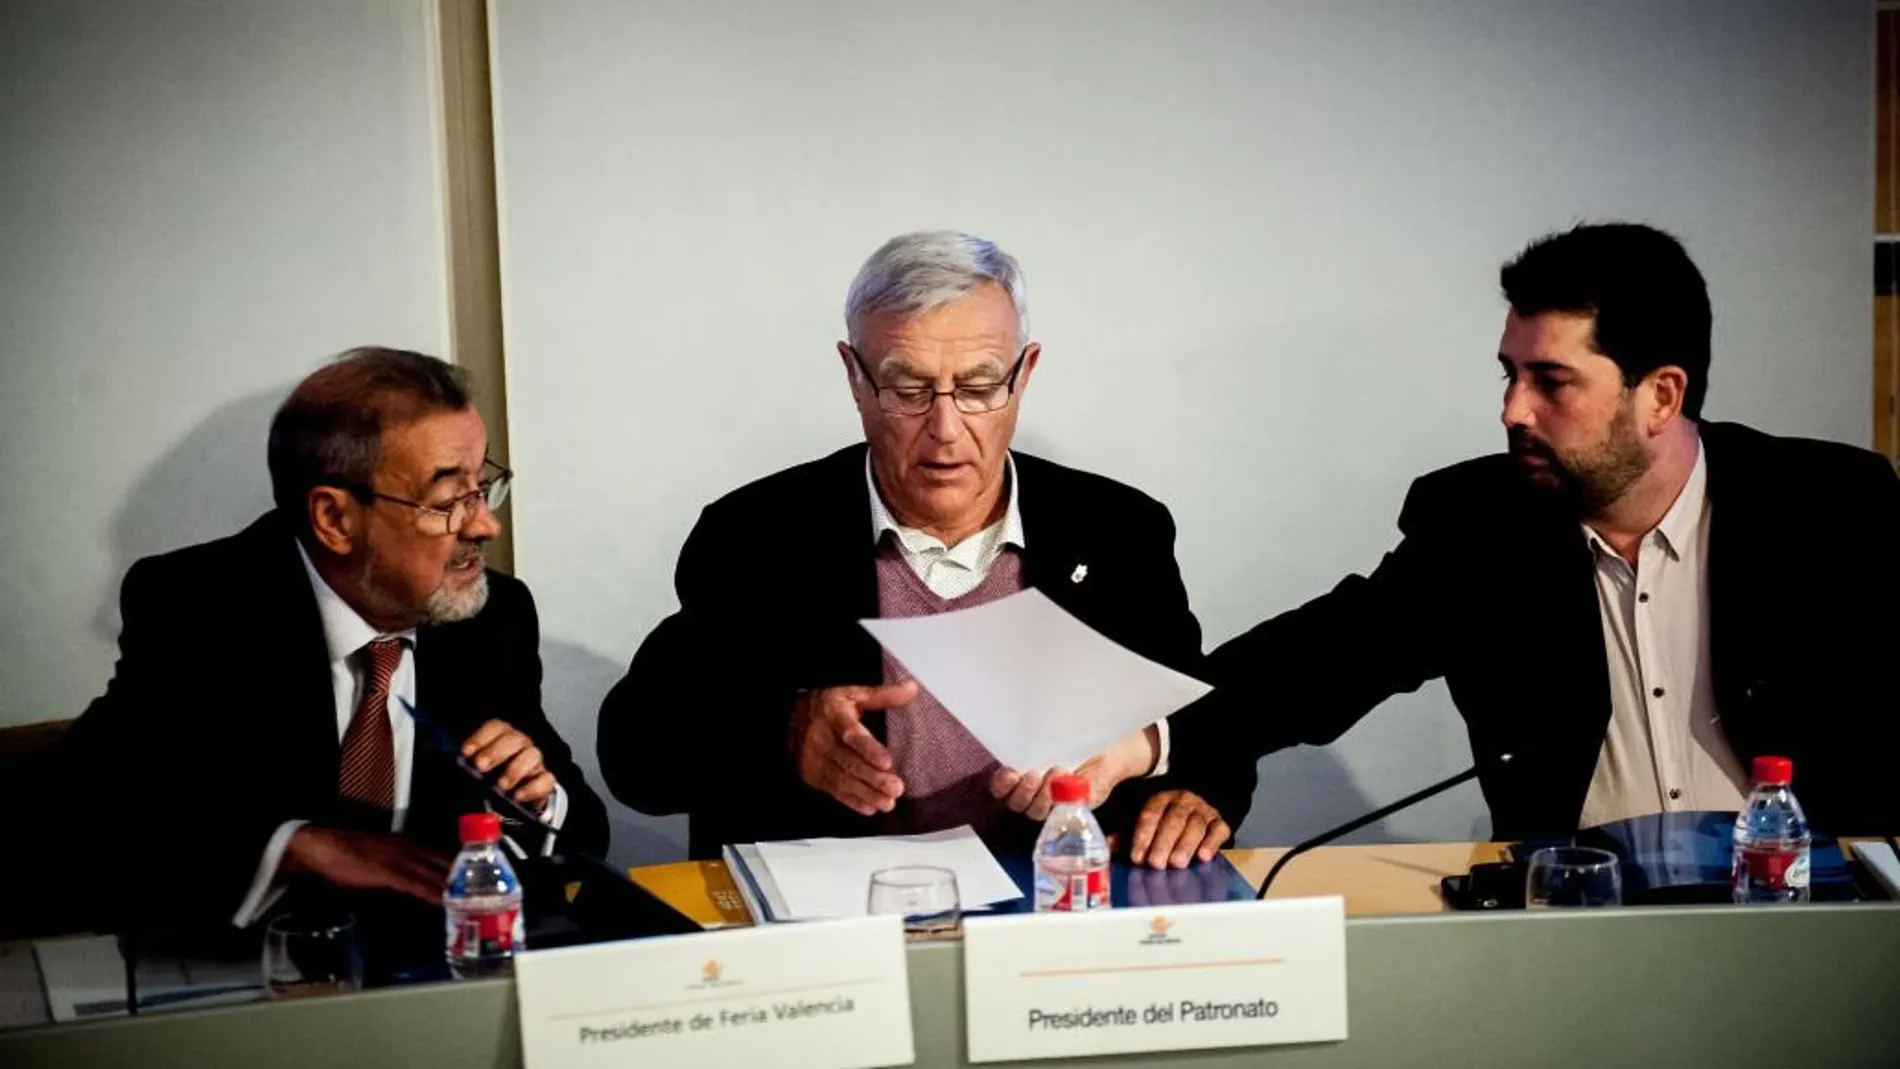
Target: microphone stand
x=1381, y=813
x=129, y=954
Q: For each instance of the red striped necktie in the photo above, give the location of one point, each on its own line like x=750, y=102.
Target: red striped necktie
x=367, y=771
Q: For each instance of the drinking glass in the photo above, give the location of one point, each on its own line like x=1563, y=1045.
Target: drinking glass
x=924, y=895
x=311, y=954
x=1571, y=876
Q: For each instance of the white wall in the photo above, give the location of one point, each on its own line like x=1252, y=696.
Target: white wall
x=1261, y=241
x=199, y=202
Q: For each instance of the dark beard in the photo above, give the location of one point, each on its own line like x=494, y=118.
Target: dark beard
x=1590, y=480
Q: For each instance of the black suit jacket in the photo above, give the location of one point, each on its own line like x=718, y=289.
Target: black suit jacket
x=1493, y=589
x=772, y=582
x=221, y=717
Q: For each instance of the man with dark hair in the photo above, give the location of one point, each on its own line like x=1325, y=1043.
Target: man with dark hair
x=262, y=677
x=1632, y=602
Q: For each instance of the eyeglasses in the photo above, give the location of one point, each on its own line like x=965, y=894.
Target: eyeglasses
x=970, y=398
x=451, y=516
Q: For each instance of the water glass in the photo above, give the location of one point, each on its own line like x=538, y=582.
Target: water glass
x=924, y=895
x=1572, y=876
x=311, y=954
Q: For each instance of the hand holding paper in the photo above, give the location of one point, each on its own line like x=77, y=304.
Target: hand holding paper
x=1176, y=827
x=1027, y=791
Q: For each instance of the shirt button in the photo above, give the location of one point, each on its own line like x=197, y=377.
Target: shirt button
x=1675, y=793
x=1642, y=597
x=1658, y=692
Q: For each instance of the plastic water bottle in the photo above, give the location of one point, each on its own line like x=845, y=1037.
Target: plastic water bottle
x=1771, y=838
x=1071, y=853
x=482, y=903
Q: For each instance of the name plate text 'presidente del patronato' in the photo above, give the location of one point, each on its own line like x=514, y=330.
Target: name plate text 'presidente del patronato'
x=1233, y=974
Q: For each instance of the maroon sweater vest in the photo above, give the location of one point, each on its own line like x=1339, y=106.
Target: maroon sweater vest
x=946, y=772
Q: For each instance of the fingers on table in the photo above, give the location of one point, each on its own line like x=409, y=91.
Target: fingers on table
x=1147, y=823
x=1175, y=829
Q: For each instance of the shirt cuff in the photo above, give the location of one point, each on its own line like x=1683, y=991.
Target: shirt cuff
x=265, y=890
x=553, y=815
x=1161, y=761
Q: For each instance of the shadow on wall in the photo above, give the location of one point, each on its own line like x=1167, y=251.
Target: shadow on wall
x=574, y=681
x=211, y=483
x=1307, y=789
x=1302, y=791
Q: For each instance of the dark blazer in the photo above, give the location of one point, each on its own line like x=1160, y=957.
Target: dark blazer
x=221, y=717
x=772, y=582
x=1493, y=590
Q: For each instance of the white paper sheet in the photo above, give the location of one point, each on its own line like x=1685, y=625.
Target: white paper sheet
x=84, y=979
x=1880, y=859
x=1034, y=684
x=826, y=878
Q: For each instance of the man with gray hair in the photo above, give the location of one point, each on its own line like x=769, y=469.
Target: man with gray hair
x=820, y=732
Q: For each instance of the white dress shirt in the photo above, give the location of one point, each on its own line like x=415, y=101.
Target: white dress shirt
x=1664, y=750
x=345, y=634
x=953, y=571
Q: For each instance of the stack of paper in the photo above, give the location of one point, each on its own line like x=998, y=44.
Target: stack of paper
x=85, y=978
x=814, y=879
x=1880, y=860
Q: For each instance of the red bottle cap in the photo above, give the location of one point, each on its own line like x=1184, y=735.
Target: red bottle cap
x=480, y=828
x=1068, y=788
x=1776, y=771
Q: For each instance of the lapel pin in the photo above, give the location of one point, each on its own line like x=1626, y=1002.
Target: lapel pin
x=1081, y=572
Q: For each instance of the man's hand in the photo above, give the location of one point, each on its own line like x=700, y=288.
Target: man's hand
x=497, y=744
x=1028, y=792
x=1176, y=828
x=838, y=755
x=368, y=860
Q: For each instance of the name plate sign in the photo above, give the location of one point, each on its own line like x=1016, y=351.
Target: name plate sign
x=1235, y=974
x=823, y=995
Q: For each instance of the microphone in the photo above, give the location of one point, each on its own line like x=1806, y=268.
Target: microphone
x=1327, y=836
x=607, y=900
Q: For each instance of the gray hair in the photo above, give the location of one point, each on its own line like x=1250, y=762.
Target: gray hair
x=914, y=273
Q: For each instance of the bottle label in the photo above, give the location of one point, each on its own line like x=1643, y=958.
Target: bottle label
x=1079, y=892
x=1797, y=875
x=1774, y=869
x=486, y=935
